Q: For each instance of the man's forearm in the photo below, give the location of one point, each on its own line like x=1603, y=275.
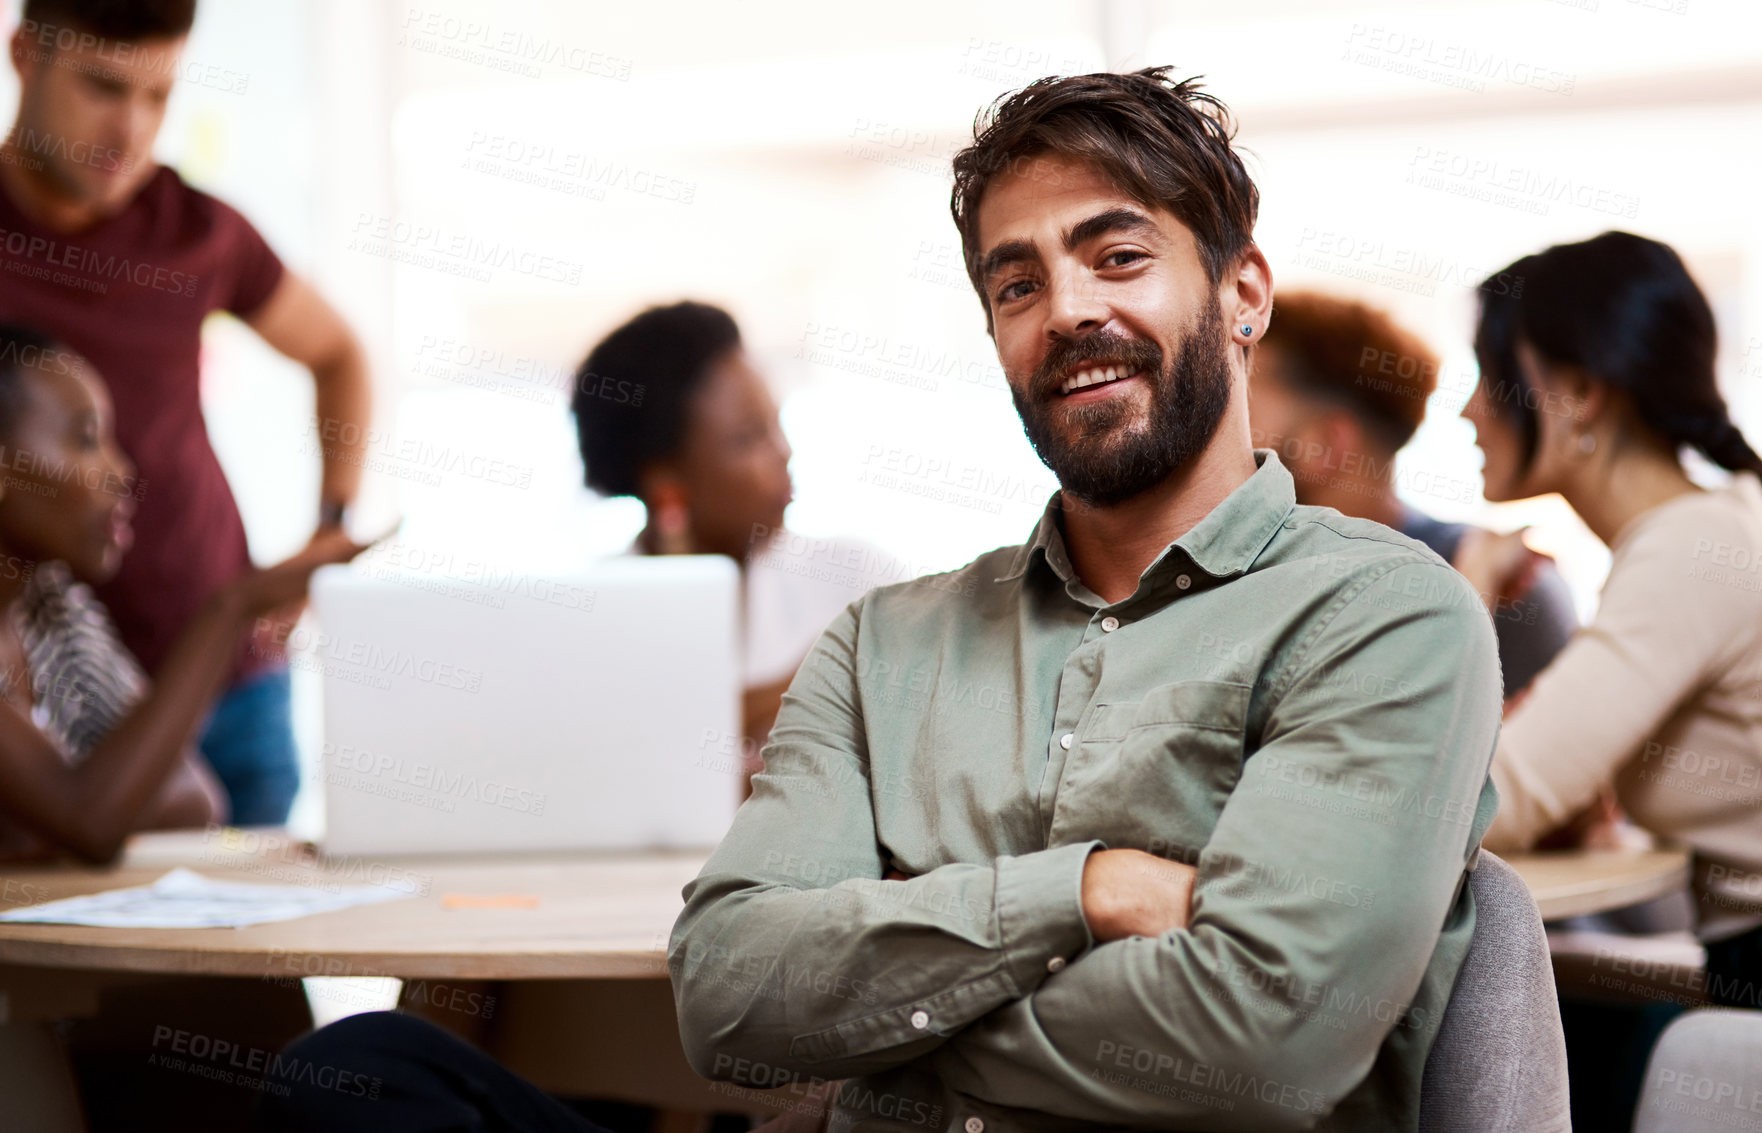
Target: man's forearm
x=1184, y=1031
x=344, y=406
x=773, y=979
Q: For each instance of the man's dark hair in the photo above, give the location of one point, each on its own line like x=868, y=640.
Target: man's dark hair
x=125, y=20
x=633, y=392
x=1624, y=310
x=1347, y=354
x=1165, y=144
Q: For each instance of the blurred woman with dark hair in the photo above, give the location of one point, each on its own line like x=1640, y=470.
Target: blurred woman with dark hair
x=90, y=750
x=1596, y=373
x=1594, y=378
x=669, y=409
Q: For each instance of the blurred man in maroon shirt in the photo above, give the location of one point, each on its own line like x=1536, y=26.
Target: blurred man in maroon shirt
x=103, y=248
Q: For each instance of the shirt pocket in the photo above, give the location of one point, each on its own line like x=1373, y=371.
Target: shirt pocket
x=1154, y=774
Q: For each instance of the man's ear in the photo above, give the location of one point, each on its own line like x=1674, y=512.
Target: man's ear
x=1343, y=434
x=1249, y=295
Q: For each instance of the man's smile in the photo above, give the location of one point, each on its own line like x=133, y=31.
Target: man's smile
x=1091, y=382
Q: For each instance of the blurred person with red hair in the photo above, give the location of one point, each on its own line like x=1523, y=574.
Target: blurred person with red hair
x=1338, y=389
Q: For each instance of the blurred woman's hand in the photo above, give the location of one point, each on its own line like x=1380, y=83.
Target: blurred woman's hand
x=1597, y=827
x=267, y=589
x=1500, y=567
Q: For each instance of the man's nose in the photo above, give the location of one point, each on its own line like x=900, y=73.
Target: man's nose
x=1074, y=306
x=138, y=126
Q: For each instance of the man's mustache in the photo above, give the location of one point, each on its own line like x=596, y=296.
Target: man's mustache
x=1071, y=353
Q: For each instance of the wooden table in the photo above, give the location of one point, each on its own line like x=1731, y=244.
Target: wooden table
x=1570, y=883
x=577, y=978
x=595, y=917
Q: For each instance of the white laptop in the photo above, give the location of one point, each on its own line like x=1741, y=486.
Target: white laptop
x=599, y=711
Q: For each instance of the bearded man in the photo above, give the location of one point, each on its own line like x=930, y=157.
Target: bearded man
x=1204, y=869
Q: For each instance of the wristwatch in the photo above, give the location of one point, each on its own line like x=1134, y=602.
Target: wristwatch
x=331, y=513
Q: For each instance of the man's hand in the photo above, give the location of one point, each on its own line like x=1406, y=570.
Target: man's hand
x=1132, y=893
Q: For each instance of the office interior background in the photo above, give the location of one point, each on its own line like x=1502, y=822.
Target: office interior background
x=484, y=188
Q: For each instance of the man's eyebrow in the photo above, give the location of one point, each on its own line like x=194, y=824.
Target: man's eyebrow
x=1101, y=224
x=1007, y=253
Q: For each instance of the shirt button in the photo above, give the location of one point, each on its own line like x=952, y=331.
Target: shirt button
x=920, y=1020
x=1108, y=625
x=1056, y=964
x=1064, y=741
x=1182, y=582
x=974, y=1125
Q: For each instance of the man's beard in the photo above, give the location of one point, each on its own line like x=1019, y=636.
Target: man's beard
x=1105, y=455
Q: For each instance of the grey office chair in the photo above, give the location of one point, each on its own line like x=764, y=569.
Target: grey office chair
x=1704, y=1074
x=1498, y=1064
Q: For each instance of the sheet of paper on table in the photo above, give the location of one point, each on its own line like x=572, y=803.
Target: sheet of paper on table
x=183, y=899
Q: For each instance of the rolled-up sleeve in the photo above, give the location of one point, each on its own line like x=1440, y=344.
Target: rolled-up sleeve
x=794, y=958
x=1320, y=897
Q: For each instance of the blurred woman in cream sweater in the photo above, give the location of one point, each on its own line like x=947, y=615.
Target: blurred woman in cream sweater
x=1594, y=377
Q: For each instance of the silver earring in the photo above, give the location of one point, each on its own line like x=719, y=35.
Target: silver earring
x=1587, y=444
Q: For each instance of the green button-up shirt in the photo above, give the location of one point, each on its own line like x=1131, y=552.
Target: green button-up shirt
x=1301, y=704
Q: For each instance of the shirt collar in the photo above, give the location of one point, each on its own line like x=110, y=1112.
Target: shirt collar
x=1226, y=542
